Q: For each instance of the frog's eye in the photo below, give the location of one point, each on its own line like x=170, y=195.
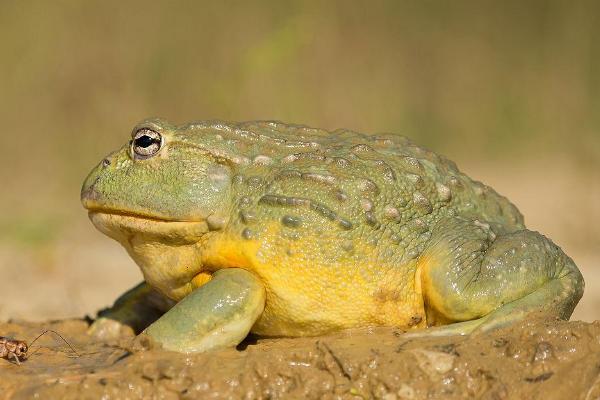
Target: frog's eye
x=146, y=143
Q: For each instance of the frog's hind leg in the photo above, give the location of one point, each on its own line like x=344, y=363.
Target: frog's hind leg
x=482, y=281
x=218, y=314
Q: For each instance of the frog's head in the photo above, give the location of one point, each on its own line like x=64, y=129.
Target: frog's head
x=161, y=196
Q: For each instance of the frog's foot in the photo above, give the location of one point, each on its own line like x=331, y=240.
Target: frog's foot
x=519, y=310
x=216, y=315
x=482, y=281
x=106, y=329
x=132, y=312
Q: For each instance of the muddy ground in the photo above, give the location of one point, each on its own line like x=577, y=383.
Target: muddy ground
x=533, y=360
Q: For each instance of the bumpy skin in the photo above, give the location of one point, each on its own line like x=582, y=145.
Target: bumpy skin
x=330, y=230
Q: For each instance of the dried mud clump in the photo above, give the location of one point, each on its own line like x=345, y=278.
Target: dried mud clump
x=534, y=360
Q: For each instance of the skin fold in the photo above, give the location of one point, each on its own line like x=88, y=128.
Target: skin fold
x=286, y=230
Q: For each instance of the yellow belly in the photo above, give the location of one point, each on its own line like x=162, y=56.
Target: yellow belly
x=310, y=295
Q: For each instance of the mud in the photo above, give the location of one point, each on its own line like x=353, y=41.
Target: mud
x=534, y=360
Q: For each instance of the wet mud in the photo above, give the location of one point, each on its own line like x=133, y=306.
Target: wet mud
x=533, y=360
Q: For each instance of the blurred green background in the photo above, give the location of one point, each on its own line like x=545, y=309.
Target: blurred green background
x=510, y=90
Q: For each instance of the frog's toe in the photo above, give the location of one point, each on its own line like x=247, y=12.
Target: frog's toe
x=456, y=329
x=105, y=329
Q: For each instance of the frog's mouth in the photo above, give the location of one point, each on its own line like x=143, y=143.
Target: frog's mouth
x=121, y=226
x=109, y=217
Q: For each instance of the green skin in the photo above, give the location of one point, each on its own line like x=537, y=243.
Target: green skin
x=164, y=198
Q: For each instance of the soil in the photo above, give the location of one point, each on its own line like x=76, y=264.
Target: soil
x=532, y=360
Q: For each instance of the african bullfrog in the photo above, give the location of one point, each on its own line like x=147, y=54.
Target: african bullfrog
x=286, y=230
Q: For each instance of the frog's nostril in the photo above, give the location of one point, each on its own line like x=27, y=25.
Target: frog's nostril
x=105, y=162
x=88, y=192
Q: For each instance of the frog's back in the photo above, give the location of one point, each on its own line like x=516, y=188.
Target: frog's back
x=344, y=167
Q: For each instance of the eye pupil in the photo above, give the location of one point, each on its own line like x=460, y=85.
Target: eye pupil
x=145, y=141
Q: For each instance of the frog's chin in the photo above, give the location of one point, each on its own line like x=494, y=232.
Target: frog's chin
x=169, y=253
x=122, y=227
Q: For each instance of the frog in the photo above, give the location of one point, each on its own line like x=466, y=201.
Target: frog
x=283, y=230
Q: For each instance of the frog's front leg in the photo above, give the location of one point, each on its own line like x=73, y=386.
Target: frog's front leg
x=131, y=313
x=218, y=314
x=478, y=280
